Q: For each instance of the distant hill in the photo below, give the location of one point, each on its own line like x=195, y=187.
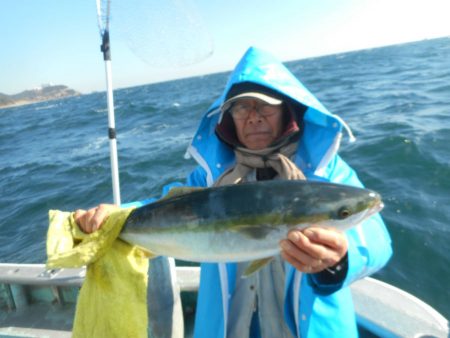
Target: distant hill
x=5, y=100
x=44, y=93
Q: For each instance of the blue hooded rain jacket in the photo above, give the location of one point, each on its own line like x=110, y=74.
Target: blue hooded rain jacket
x=310, y=309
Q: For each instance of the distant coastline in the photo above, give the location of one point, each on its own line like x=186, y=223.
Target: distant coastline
x=43, y=93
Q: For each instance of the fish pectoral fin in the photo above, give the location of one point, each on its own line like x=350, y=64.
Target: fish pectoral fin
x=253, y=231
x=179, y=191
x=256, y=265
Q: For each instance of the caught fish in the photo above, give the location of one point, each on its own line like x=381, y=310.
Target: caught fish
x=244, y=222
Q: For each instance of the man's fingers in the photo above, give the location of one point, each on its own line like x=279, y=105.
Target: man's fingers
x=82, y=217
x=99, y=216
x=329, y=237
x=333, y=240
x=316, y=251
x=302, y=266
x=292, y=251
x=314, y=247
x=92, y=219
x=78, y=214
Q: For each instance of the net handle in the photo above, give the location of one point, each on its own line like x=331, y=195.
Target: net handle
x=103, y=24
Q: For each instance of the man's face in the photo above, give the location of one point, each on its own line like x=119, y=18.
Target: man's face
x=257, y=123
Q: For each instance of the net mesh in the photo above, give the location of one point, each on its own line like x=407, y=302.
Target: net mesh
x=162, y=33
x=103, y=14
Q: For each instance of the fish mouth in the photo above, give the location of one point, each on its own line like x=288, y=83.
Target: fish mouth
x=377, y=204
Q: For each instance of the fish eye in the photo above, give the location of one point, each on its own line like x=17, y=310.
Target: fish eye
x=343, y=213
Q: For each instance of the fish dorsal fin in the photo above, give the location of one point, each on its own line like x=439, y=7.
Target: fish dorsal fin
x=256, y=265
x=179, y=191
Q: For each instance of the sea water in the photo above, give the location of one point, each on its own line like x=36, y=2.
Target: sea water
x=396, y=99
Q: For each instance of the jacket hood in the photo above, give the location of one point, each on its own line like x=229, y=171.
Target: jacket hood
x=321, y=130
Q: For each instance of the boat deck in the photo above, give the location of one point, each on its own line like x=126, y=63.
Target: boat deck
x=35, y=302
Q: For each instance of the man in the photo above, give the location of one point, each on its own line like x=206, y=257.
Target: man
x=266, y=125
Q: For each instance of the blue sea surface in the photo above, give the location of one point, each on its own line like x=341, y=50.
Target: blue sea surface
x=396, y=99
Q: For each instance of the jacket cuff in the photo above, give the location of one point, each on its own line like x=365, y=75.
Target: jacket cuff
x=331, y=279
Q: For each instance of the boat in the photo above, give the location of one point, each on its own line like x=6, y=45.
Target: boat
x=37, y=302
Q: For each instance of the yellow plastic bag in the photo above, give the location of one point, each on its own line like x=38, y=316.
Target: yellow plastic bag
x=113, y=299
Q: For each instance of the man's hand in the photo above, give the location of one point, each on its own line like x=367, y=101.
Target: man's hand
x=314, y=249
x=92, y=219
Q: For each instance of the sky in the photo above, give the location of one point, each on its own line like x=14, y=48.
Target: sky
x=58, y=41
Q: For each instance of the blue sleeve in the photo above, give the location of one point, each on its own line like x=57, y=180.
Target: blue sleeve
x=197, y=178
x=369, y=244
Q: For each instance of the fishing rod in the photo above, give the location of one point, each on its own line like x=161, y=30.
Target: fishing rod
x=103, y=24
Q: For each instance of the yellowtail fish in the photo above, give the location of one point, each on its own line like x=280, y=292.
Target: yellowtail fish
x=244, y=222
